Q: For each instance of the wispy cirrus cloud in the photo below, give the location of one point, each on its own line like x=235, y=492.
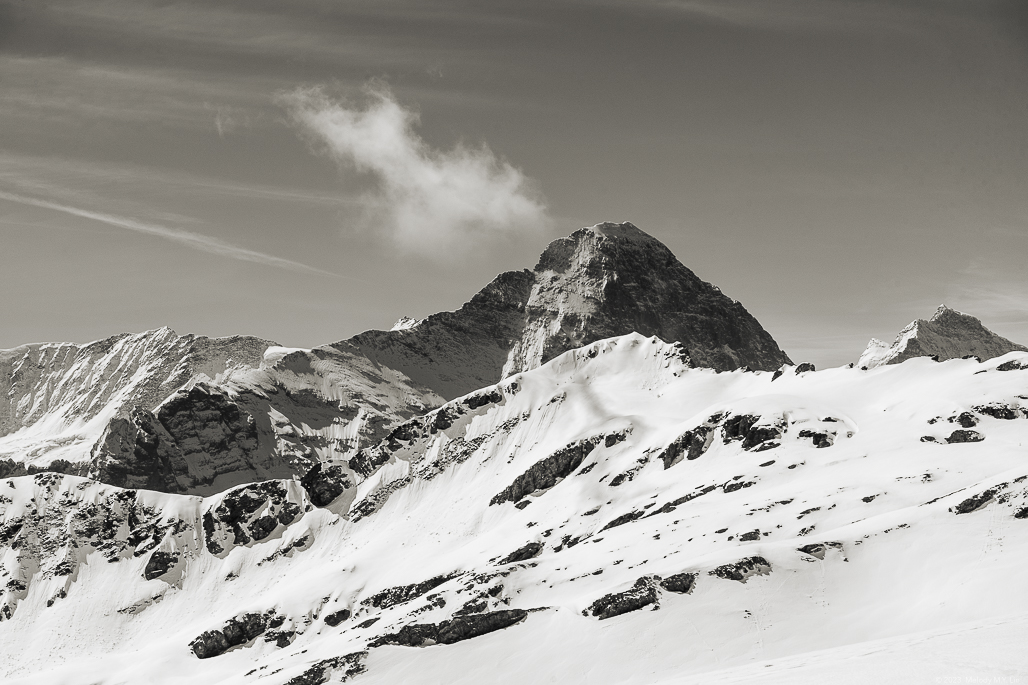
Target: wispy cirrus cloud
x=196, y=241
x=426, y=201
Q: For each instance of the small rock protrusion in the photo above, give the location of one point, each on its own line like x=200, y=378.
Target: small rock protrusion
x=337, y=617
x=958, y=436
x=681, y=583
x=642, y=594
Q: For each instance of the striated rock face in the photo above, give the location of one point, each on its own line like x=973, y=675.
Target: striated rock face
x=68, y=382
x=599, y=282
x=949, y=334
x=190, y=414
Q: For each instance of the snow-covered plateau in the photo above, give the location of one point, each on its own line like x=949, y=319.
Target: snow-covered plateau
x=612, y=516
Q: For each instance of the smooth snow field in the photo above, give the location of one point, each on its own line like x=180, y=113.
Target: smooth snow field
x=628, y=519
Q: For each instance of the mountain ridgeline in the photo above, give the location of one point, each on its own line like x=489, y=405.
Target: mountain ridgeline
x=196, y=415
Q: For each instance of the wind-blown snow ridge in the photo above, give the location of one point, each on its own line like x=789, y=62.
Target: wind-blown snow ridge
x=759, y=519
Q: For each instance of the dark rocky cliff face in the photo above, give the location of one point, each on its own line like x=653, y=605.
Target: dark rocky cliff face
x=196, y=435
x=599, y=282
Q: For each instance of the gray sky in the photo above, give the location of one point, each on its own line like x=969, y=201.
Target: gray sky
x=303, y=170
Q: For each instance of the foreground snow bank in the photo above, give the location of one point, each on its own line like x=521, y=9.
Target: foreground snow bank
x=613, y=516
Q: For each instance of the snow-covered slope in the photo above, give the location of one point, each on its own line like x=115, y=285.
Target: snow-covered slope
x=949, y=334
x=189, y=413
x=612, y=516
x=603, y=281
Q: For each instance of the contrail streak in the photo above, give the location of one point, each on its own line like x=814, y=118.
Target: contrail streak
x=197, y=241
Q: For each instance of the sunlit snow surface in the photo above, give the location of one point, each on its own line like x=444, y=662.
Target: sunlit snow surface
x=912, y=587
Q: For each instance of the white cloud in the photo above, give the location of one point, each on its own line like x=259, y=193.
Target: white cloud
x=431, y=202
x=196, y=241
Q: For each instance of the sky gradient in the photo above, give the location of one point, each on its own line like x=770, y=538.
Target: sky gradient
x=306, y=170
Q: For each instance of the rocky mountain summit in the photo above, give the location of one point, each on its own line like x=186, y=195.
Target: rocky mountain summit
x=949, y=334
x=197, y=415
x=607, y=280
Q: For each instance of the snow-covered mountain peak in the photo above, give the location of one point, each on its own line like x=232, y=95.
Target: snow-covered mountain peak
x=948, y=334
x=405, y=322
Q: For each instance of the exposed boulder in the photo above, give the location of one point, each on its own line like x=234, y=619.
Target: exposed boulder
x=1001, y=411
x=743, y=569
x=530, y=550
x=681, y=583
x=336, y=617
x=235, y=631
x=251, y=513
x=159, y=564
x=964, y=436
x=209, y=644
x=642, y=593
x=692, y=443
x=747, y=428
x=976, y=502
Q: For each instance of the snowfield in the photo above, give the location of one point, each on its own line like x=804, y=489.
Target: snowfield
x=613, y=516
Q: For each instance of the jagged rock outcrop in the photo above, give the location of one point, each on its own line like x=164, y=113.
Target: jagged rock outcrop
x=642, y=593
x=599, y=282
x=949, y=334
x=137, y=452
x=192, y=414
x=457, y=629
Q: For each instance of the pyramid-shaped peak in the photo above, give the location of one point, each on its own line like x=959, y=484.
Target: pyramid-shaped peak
x=949, y=334
x=600, y=282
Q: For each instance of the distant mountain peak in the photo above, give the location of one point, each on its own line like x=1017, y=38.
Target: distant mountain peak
x=949, y=334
